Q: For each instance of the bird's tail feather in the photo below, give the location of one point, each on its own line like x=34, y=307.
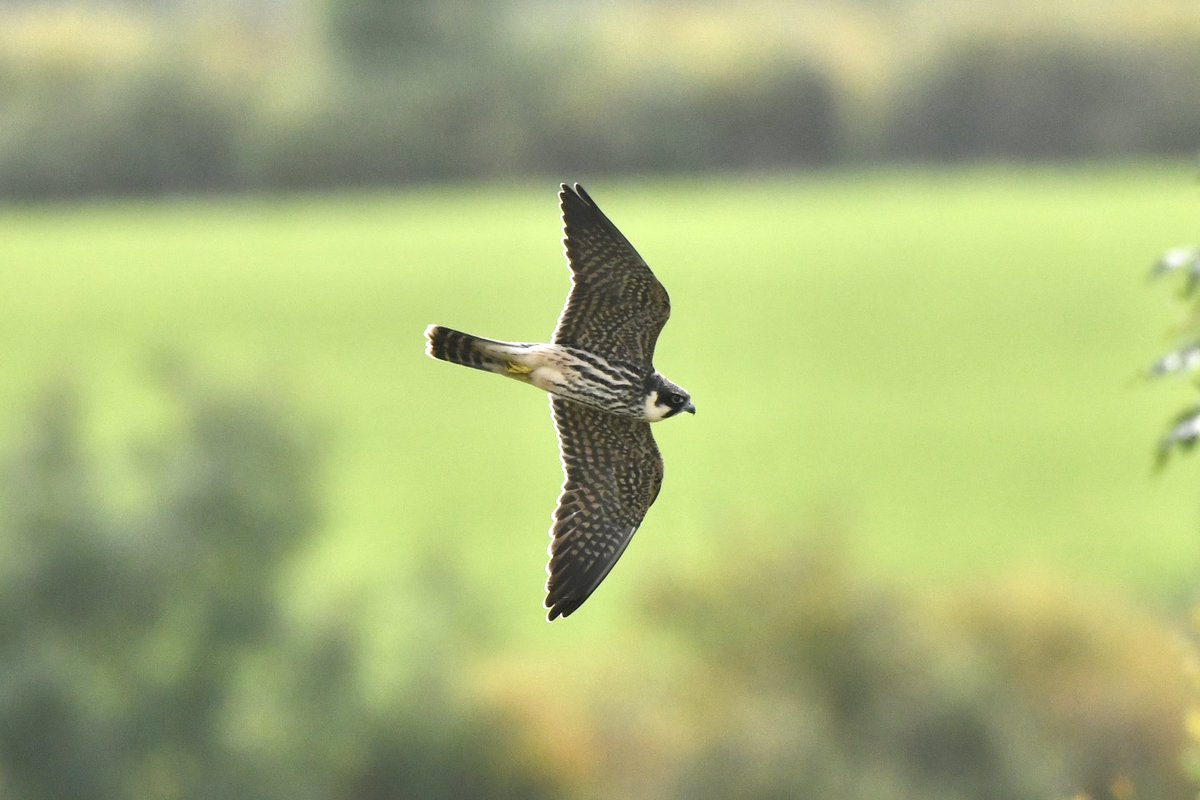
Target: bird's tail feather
x=463, y=348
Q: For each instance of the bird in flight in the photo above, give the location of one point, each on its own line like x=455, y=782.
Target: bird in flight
x=604, y=393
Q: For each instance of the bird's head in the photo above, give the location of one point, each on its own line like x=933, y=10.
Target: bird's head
x=665, y=399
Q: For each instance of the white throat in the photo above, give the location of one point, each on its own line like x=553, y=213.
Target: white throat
x=655, y=412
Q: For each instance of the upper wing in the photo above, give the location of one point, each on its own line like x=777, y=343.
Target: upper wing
x=613, y=473
x=616, y=307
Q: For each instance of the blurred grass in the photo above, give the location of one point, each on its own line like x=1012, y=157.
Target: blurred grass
x=938, y=361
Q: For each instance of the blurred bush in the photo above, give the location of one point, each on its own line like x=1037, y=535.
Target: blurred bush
x=802, y=679
x=123, y=627
x=98, y=102
x=143, y=650
x=1037, y=97
x=129, y=99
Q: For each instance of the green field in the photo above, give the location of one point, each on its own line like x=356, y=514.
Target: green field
x=932, y=368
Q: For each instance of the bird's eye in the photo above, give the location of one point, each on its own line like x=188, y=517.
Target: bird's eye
x=675, y=399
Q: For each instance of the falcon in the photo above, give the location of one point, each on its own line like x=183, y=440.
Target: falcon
x=604, y=394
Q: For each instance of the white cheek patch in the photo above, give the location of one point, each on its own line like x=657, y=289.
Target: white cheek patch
x=654, y=412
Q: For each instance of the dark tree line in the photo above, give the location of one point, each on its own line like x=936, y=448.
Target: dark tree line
x=392, y=93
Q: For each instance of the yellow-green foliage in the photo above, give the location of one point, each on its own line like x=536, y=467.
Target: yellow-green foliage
x=188, y=98
x=785, y=674
x=1092, y=673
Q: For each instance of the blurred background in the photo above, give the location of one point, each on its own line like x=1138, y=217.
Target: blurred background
x=253, y=543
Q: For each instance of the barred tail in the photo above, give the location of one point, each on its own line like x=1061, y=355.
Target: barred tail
x=463, y=348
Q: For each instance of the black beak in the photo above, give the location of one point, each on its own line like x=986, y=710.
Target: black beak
x=690, y=408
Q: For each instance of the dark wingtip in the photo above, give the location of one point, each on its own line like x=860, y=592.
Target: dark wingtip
x=574, y=201
x=575, y=188
x=566, y=196
x=562, y=608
